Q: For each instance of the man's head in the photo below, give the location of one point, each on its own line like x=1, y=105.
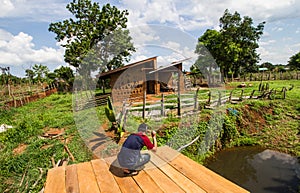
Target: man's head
x=143, y=128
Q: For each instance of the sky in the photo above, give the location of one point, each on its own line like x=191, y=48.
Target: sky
x=168, y=29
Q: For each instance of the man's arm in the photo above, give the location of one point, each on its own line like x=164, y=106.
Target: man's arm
x=153, y=134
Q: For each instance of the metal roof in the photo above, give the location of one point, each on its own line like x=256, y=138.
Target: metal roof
x=169, y=65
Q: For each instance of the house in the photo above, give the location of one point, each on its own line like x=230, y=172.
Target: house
x=143, y=77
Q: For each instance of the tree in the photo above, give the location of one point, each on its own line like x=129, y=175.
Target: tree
x=40, y=72
x=87, y=35
x=65, y=73
x=240, y=39
x=294, y=62
x=234, y=46
x=208, y=48
x=30, y=75
x=268, y=65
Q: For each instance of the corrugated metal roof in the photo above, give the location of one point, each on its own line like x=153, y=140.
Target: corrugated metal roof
x=105, y=74
x=169, y=65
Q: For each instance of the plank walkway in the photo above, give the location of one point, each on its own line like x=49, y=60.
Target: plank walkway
x=168, y=171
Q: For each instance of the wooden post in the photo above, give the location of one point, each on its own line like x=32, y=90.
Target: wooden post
x=144, y=99
x=178, y=97
x=196, y=100
x=242, y=93
x=284, y=93
x=219, y=100
x=209, y=97
x=230, y=96
x=162, y=111
x=252, y=93
x=103, y=86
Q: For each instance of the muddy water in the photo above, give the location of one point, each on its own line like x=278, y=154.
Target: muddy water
x=258, y=170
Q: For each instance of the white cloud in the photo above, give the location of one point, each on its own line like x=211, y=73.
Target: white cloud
x=193, y=14
x=34, y=10
x=264, y=43
x=19, y=50
x=6, y=7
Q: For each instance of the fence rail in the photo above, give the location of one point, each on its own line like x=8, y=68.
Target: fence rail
x=18, y=96
x=193, y=102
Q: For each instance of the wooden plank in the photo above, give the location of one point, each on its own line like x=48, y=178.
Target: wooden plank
x=105, y=179
x=86, y=178
x=126, y=183
x=72, y=179
x=162, y=180
x=55, y=181
x=207, y=179
x=146, y=183
x=179, y=179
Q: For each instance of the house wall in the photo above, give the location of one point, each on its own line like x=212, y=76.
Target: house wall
x=130, y=83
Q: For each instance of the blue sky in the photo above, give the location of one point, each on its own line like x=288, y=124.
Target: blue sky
x=25, y=40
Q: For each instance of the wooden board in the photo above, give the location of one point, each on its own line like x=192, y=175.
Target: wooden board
x=55, y=181
x=180, y=180
x=125, y=183
x=72, y=179
x=146, y=183
x=163, y=181
x=205, y=178
x=86, y=178
x=104, y=178
x=167, y=171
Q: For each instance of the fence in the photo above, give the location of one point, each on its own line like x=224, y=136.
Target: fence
x=16, y=96
x=87, y=99
x=193, y=102
x=265, y=76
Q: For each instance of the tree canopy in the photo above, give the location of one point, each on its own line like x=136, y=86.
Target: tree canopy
x=294, y=62
x=98, y=34
x=234, y=45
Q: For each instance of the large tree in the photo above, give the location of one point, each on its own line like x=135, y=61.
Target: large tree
x=294, y=62
x=234, y=45
x=91, y=34
x=207, y=48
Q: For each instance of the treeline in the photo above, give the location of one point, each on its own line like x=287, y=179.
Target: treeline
x=38, y=74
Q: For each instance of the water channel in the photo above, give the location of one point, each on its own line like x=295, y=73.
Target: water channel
x=258, y=170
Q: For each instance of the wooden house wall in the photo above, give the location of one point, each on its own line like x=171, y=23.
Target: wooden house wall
x=130, y=83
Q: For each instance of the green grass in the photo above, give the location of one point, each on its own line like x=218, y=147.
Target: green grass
x=269, y=123
x=21, y=171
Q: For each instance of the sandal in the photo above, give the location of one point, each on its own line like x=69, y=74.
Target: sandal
x=131, y=173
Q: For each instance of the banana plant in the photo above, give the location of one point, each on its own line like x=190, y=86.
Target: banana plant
x=117, y=123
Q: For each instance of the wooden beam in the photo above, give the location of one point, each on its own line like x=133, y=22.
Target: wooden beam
x=86, y=178
x=56, y=181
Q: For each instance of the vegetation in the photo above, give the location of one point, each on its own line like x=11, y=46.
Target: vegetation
x=268, y=123
x=233, y=47
x=26, y=152
x=294, y=61
x=96, y=33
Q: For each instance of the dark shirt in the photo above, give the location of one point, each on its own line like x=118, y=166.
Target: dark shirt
x=130, y=151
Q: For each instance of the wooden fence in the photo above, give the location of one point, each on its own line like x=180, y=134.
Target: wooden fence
x=266, y=76
x=16, y=97
x=87, y=99
x=174, y=104
x=194, y=102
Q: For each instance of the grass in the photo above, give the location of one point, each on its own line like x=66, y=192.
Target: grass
x=20, y=171
x=272, y=124
x=269, y=123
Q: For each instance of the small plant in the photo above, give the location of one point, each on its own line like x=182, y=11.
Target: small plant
x=117, y=124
